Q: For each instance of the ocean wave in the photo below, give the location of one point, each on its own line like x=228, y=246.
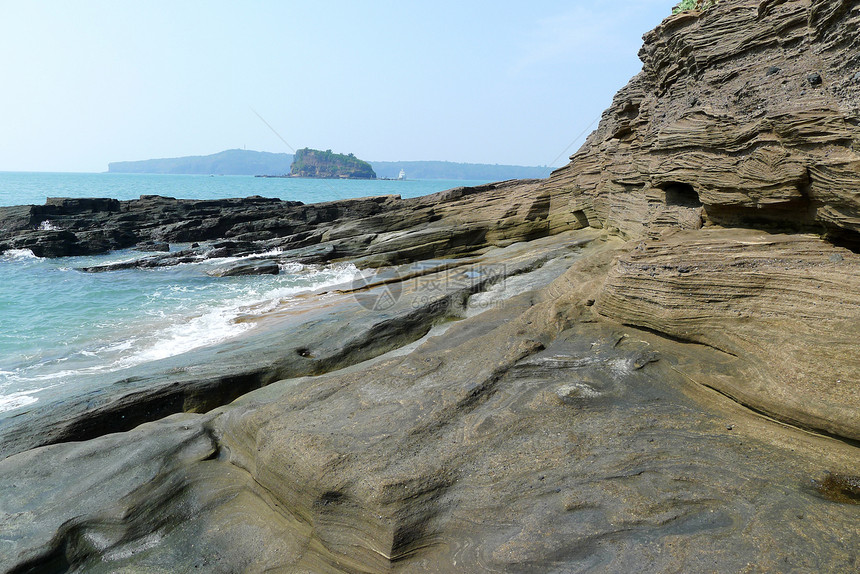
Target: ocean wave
x=203, y=258
x=17, y=400
x=293, y=267
x=313, y=279
x=18, y=254
x=177, y=320
x=210, y=328
x=221, y=322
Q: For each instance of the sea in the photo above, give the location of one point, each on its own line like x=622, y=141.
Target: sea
x=62, y=329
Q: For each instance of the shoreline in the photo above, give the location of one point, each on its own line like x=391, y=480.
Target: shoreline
x=208, y=377
x=672, y=384
x=377, y=455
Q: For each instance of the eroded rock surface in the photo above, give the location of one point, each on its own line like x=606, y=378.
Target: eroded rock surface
x=572, y=445
x=376, y=231
x=722, y=125
x=682, y=400
x=785, y=307
x=309, y=335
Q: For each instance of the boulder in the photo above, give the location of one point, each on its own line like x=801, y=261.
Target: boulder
x=256, y=267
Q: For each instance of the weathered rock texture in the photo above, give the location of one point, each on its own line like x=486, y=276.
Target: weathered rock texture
x=393, y=230
x=786, y=308
x=723, y=125
x=532, y=437
x=746, y=115
x=308, y=336
x=684, y=401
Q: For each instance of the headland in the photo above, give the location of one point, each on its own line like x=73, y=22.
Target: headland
x=647, y=361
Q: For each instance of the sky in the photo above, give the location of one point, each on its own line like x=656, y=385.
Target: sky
x=88, y=82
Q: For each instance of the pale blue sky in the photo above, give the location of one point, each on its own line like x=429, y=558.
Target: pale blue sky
x=84, y=83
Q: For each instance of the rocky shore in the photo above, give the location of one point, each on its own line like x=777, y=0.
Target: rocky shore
x=647, y=362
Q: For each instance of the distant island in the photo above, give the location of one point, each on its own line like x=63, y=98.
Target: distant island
x=229, y=162
x=328, y=165
x=248, y=162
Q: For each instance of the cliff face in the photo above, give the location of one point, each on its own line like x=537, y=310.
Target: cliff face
x=572, y=425
x=747, y=114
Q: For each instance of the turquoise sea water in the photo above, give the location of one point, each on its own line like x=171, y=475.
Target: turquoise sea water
x=23, y=188
x=59, y=327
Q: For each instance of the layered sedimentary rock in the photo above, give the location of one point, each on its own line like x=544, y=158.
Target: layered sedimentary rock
x=532, y=437
x=747, y=114
x=307, y=335
x=786, y=308
x=681, y=398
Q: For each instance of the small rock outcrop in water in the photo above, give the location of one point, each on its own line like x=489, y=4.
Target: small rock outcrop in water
x=325, y=164
x=265, y=267
x=666, y=378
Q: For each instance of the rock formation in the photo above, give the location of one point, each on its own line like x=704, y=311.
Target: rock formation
x=724, y=126
x=674, y=388
x=746, y=115
x=471, y=218
x=325, y=164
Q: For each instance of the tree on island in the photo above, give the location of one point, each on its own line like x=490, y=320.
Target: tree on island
x=325, y=164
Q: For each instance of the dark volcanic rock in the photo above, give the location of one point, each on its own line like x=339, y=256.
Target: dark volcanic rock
x=452, y=223
x=153, y=246
x=265, y=267
x=65, y=226
x=58, y=206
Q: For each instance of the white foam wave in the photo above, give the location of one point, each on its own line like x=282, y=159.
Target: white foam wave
x=179, y=327
x=233, y=259
x=18, y=254
x=48, y=225
x=116, y=347
x=315, y=279
x=201, y=331
x=220, y=323
x=292, y=267
x=16, y=400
